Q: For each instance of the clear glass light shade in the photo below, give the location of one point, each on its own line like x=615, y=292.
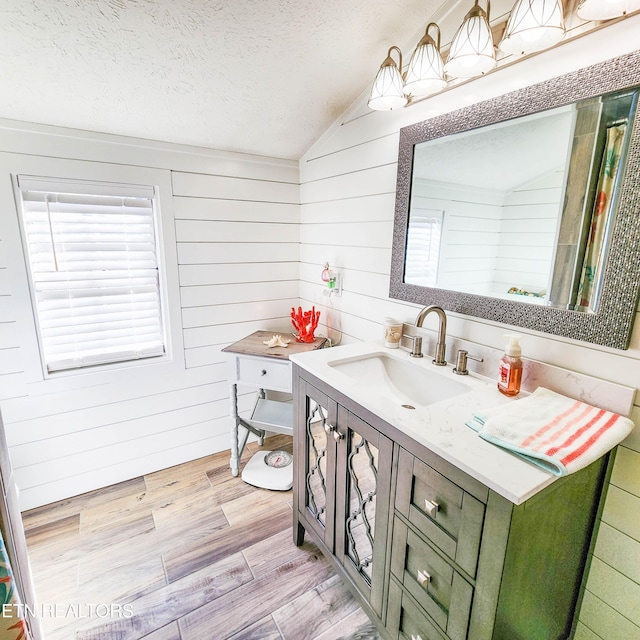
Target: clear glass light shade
x=472, y=52
x=425, y=74
x=387, y=92
x=606, y=9
x=533, y=25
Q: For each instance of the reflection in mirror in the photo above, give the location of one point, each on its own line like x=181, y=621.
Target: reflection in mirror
x=525, y=209
x=478, y=196
x=506, y=210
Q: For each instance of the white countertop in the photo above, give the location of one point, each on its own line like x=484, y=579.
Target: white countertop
x=439, y=426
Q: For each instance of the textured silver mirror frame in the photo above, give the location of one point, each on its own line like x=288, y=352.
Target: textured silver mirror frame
x=612, y=323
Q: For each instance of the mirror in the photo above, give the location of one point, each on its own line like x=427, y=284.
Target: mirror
x=495, y=207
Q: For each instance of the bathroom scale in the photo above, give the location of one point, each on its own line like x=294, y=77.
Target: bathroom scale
x=270, y=470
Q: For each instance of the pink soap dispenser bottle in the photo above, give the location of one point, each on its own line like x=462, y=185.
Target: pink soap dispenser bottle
x=511, y=367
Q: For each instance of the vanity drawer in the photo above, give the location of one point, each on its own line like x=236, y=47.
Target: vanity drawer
x=405, y=620
x=443, y=594
x=450, y=517
x=265, y=373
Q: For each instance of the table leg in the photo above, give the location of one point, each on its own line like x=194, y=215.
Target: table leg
x=262, y=393
x=234, y=462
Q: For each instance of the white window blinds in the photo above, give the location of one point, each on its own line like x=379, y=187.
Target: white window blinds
x=94, y=268
x=423, y=247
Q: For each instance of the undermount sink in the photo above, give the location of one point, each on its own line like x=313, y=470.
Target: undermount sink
x=406, y=382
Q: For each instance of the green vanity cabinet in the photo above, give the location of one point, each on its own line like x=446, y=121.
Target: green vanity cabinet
x=430, y=552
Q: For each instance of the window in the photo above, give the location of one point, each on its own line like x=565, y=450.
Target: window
x=423, y=247
x=93, y=260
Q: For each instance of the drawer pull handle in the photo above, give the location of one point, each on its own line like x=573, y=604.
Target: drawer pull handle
x=431, y=508
x=263, y=372
x=337, y=435
x=423, y=578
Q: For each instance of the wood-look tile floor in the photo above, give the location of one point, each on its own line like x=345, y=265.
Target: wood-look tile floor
x=187, y=553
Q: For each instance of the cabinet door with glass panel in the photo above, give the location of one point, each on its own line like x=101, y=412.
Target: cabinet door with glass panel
x=315, y=461
x=363, y=481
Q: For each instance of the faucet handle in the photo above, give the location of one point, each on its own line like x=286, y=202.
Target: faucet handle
x=461, y=362
x=416, y=349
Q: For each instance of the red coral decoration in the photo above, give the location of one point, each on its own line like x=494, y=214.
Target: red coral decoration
x=305, y=323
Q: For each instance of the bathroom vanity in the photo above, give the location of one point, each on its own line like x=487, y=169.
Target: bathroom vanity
x=438, y=533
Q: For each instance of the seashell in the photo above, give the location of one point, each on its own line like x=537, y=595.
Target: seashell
x=276, y=341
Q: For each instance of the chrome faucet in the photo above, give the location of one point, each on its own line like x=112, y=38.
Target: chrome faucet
x=442, y=332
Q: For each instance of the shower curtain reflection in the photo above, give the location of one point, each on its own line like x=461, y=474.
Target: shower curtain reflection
x=12, y=622
x=601, y=217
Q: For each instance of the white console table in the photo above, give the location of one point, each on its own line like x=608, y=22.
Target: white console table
x=253, y=364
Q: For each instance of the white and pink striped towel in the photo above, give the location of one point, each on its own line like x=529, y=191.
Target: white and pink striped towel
x=557, y=433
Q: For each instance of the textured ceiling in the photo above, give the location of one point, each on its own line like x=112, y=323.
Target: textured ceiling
x=257, y=76
x=501, y=157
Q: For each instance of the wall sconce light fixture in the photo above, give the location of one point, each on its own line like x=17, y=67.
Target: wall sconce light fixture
x=425, y=73
x=606, y=9
x=387, y=92
x=533, y=25
x=472, y=52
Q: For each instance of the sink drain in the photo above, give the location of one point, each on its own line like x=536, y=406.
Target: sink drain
x=408, y=406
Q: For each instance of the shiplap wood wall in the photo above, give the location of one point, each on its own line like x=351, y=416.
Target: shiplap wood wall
x=231, y=222
x=347, y=195
x=528, y=234
x=494, y=240
x=9, y=365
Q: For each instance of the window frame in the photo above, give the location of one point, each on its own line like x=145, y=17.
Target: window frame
x=429, y=215
x=172, y=363
x=27, y=188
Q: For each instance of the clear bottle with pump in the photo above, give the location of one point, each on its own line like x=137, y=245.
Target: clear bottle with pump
x=511, y=367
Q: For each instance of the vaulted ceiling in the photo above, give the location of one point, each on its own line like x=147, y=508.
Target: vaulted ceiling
x=259, y=76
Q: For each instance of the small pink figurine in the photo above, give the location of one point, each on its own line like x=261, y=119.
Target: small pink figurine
x=305, y=323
